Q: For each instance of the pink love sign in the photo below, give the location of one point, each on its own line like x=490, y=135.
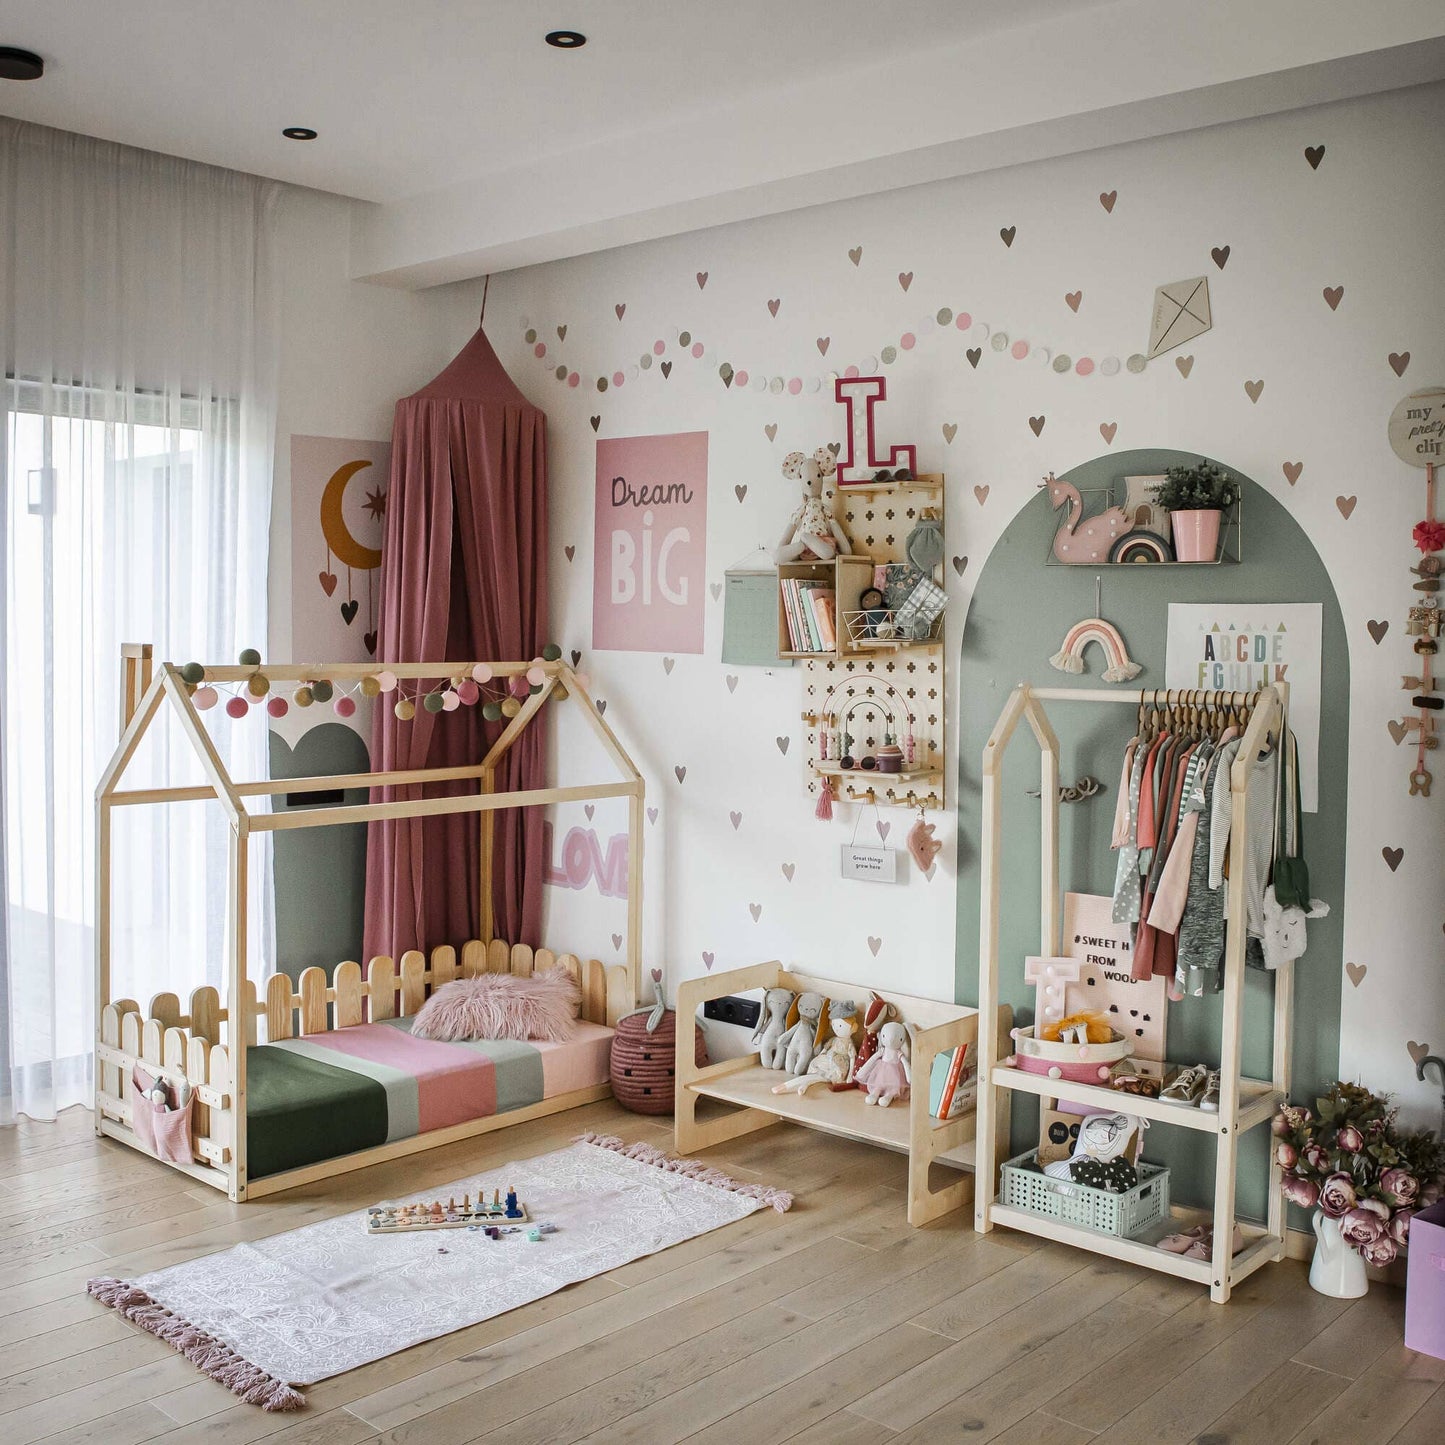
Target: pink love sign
x=650, y=543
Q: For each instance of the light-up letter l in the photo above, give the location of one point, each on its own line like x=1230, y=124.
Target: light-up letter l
x=861, y=458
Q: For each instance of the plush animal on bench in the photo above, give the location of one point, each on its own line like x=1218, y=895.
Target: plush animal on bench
x=772, y=1025
x=801, y=1041
x=887, y=1075
x=834, y=1061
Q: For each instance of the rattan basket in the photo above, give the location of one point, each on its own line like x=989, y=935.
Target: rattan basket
x=643, y=1063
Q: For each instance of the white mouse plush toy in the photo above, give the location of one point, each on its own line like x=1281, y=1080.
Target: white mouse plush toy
x=812, y=531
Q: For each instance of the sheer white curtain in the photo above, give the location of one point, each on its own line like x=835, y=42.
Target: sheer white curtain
x=138, y=336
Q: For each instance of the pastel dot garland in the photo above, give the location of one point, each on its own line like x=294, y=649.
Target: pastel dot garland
x=739, y=378
x=500, y=697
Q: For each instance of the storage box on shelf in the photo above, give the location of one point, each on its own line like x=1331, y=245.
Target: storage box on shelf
x=1244, y=1103
x=1120, y=1215
x=908, y=1128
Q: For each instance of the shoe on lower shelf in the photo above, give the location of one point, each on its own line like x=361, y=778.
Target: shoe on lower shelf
x=1210, y=1100
x=1188, y=1087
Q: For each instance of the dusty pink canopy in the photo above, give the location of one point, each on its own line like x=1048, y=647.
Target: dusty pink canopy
x=463, y=576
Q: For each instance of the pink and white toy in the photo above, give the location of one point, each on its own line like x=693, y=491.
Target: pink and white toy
x=887, y=1075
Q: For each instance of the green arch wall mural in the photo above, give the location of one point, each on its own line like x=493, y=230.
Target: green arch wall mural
x=1019, y=613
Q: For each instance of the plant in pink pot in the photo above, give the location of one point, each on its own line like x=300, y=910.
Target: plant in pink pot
x=1196, y=498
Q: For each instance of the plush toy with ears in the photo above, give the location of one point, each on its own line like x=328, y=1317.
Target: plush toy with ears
x=801, y=1041
x=1284, y=936
x=887, y=1075
x=813, y=531
x=772, y=1024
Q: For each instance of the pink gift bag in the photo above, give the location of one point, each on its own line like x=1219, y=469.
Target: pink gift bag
x=165, y=1132
x=1425, y=1283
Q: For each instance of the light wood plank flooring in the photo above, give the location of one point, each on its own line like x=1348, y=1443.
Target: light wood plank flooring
x=835, y=1324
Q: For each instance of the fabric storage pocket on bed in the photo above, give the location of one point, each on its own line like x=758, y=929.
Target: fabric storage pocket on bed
x=166, y=1133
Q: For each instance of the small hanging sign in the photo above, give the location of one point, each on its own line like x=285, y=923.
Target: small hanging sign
x=872, y=865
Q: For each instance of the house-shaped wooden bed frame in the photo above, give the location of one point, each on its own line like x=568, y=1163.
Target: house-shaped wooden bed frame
x=200, y=1045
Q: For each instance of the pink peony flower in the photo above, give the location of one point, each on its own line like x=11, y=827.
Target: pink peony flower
x=1399, y=1227
x=1400, y=1186
x=1291, y=1117
x=1337, y=1195
x=1287, y=1154
x=1361, y=1226
x=1351, y=1140
x=1317, y=1157
x=1379, y=1252
x=1304, y=1192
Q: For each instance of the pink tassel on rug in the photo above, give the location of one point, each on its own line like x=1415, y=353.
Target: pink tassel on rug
x=780, y=1199
x=211, y=1356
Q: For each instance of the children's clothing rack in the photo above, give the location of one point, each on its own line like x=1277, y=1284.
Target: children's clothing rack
x=1243, y=1103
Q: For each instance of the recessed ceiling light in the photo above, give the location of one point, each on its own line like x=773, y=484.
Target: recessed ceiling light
x=299, y=132
x=566, y=39
x=20, y=64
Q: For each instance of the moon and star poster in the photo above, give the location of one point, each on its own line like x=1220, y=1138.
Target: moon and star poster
x=338, y=498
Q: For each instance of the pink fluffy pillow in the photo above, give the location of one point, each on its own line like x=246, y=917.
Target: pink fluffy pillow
x=502, y=1006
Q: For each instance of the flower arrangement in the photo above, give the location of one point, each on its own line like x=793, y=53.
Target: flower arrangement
x=1351, y=1159
x=1204, y=487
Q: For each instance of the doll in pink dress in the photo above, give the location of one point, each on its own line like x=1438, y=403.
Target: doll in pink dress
x=886, y=1076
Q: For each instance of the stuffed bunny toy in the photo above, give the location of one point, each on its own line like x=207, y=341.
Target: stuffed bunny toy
x=812, y=531
x=800, y=1041
x=833, y=1063
x=772, y=1022
x=1284, y=936
x=878, y=1013
x=887, y=1075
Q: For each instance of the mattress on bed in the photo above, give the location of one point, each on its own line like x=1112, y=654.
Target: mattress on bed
x=325, y=1095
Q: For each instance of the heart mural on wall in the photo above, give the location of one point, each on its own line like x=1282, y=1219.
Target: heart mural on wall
x=1292, y=471
x=855, y=254
x=1107, y=199
x=1333, y=296
x=1107, y=430
x=1356, y=972
x=1314, y=155
x=1220, y=255
x=1007, y=233
x=756, y=909
x=1393, y=857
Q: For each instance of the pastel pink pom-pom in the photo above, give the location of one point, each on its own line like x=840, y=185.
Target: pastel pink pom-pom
x=386, y=681
x=204, y=698
x=450, y=702
x=536, y=675
x=237, y=707
x=344, y=706
x=482, y=672
x=468, y=691
x=278, y=707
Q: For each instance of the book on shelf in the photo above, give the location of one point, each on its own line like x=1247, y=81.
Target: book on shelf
x=824, y=602
x=808, y=631
x=953, y=1094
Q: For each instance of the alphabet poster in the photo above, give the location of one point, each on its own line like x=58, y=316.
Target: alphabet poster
x=1240, y=646
x=650, y=543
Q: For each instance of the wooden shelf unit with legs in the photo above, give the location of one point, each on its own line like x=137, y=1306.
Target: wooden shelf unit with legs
x=1244, y=1103
x=907, y=1128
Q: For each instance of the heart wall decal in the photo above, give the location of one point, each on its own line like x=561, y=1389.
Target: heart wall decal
x=1007, y=234
x=980, y=494
x=1418, y=1052
x=823, y=343
x=782, y=743
x=1346, y=506
x=1107, y=199
x=950, y=430
x=1356, y=972
x=974, y=353
x=855, y=254
x=1314, y=155
x=736, y=819
x=596, y=422
x=1333, y=296
x=1378, y=629
x=668, y=663
x=1185, y=365
x=1107, y=430
x=905, y=279
x=1072, y=299
x=771, y=431
x=788, y=870
x=874, y=944
x=1036, y=425
x=732, y=682
x=617, y=940
x=620, y=309
x=570, y=551
x=1393, y=857
x=1292, y=471
x=774, y=304
x=708, y=958
x=1220, y=255
x=701, y=279
x=716, y=589
x=652, y=815
x=1399, y=360
x=960, y=564
x=740, y=491
x=756, y=909
x=1398, y=731
x=1253, y=389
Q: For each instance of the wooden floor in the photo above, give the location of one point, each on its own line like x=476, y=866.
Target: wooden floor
x=835, y=1324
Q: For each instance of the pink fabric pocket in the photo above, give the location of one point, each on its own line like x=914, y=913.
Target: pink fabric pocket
x=166, y=1133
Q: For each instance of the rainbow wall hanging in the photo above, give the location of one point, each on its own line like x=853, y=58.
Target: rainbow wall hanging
x=1070, y=656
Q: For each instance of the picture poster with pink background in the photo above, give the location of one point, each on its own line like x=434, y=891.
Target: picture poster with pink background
x=650, y=543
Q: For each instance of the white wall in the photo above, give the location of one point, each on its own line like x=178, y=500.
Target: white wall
x=348, y=352
x=1368, y=218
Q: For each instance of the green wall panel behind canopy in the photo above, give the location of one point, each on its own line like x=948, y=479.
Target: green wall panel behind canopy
x=320, y=872
x=1019, y=614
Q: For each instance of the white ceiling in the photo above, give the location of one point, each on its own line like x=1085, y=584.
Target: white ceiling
x=480, y=148
x=411, y=95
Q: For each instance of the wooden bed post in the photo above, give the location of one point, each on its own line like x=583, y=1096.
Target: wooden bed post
x=239, y=1029
x=488, y=843
x=634, y=890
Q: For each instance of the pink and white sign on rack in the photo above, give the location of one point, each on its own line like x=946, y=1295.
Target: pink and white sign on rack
x=650, y=543
x=862, y=456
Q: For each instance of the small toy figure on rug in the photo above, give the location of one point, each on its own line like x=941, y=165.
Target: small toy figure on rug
x=836, y=1057
x=887, y=1075
x=813, y=533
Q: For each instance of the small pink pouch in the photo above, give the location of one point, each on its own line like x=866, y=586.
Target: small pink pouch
x=166, y=1133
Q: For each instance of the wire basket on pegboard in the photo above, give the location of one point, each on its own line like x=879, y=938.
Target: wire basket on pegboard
x=644, y=1064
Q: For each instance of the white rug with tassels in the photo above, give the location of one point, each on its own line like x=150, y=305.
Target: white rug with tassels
x=302, y=1306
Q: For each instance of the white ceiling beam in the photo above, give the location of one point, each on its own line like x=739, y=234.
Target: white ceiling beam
x=1101, y=77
